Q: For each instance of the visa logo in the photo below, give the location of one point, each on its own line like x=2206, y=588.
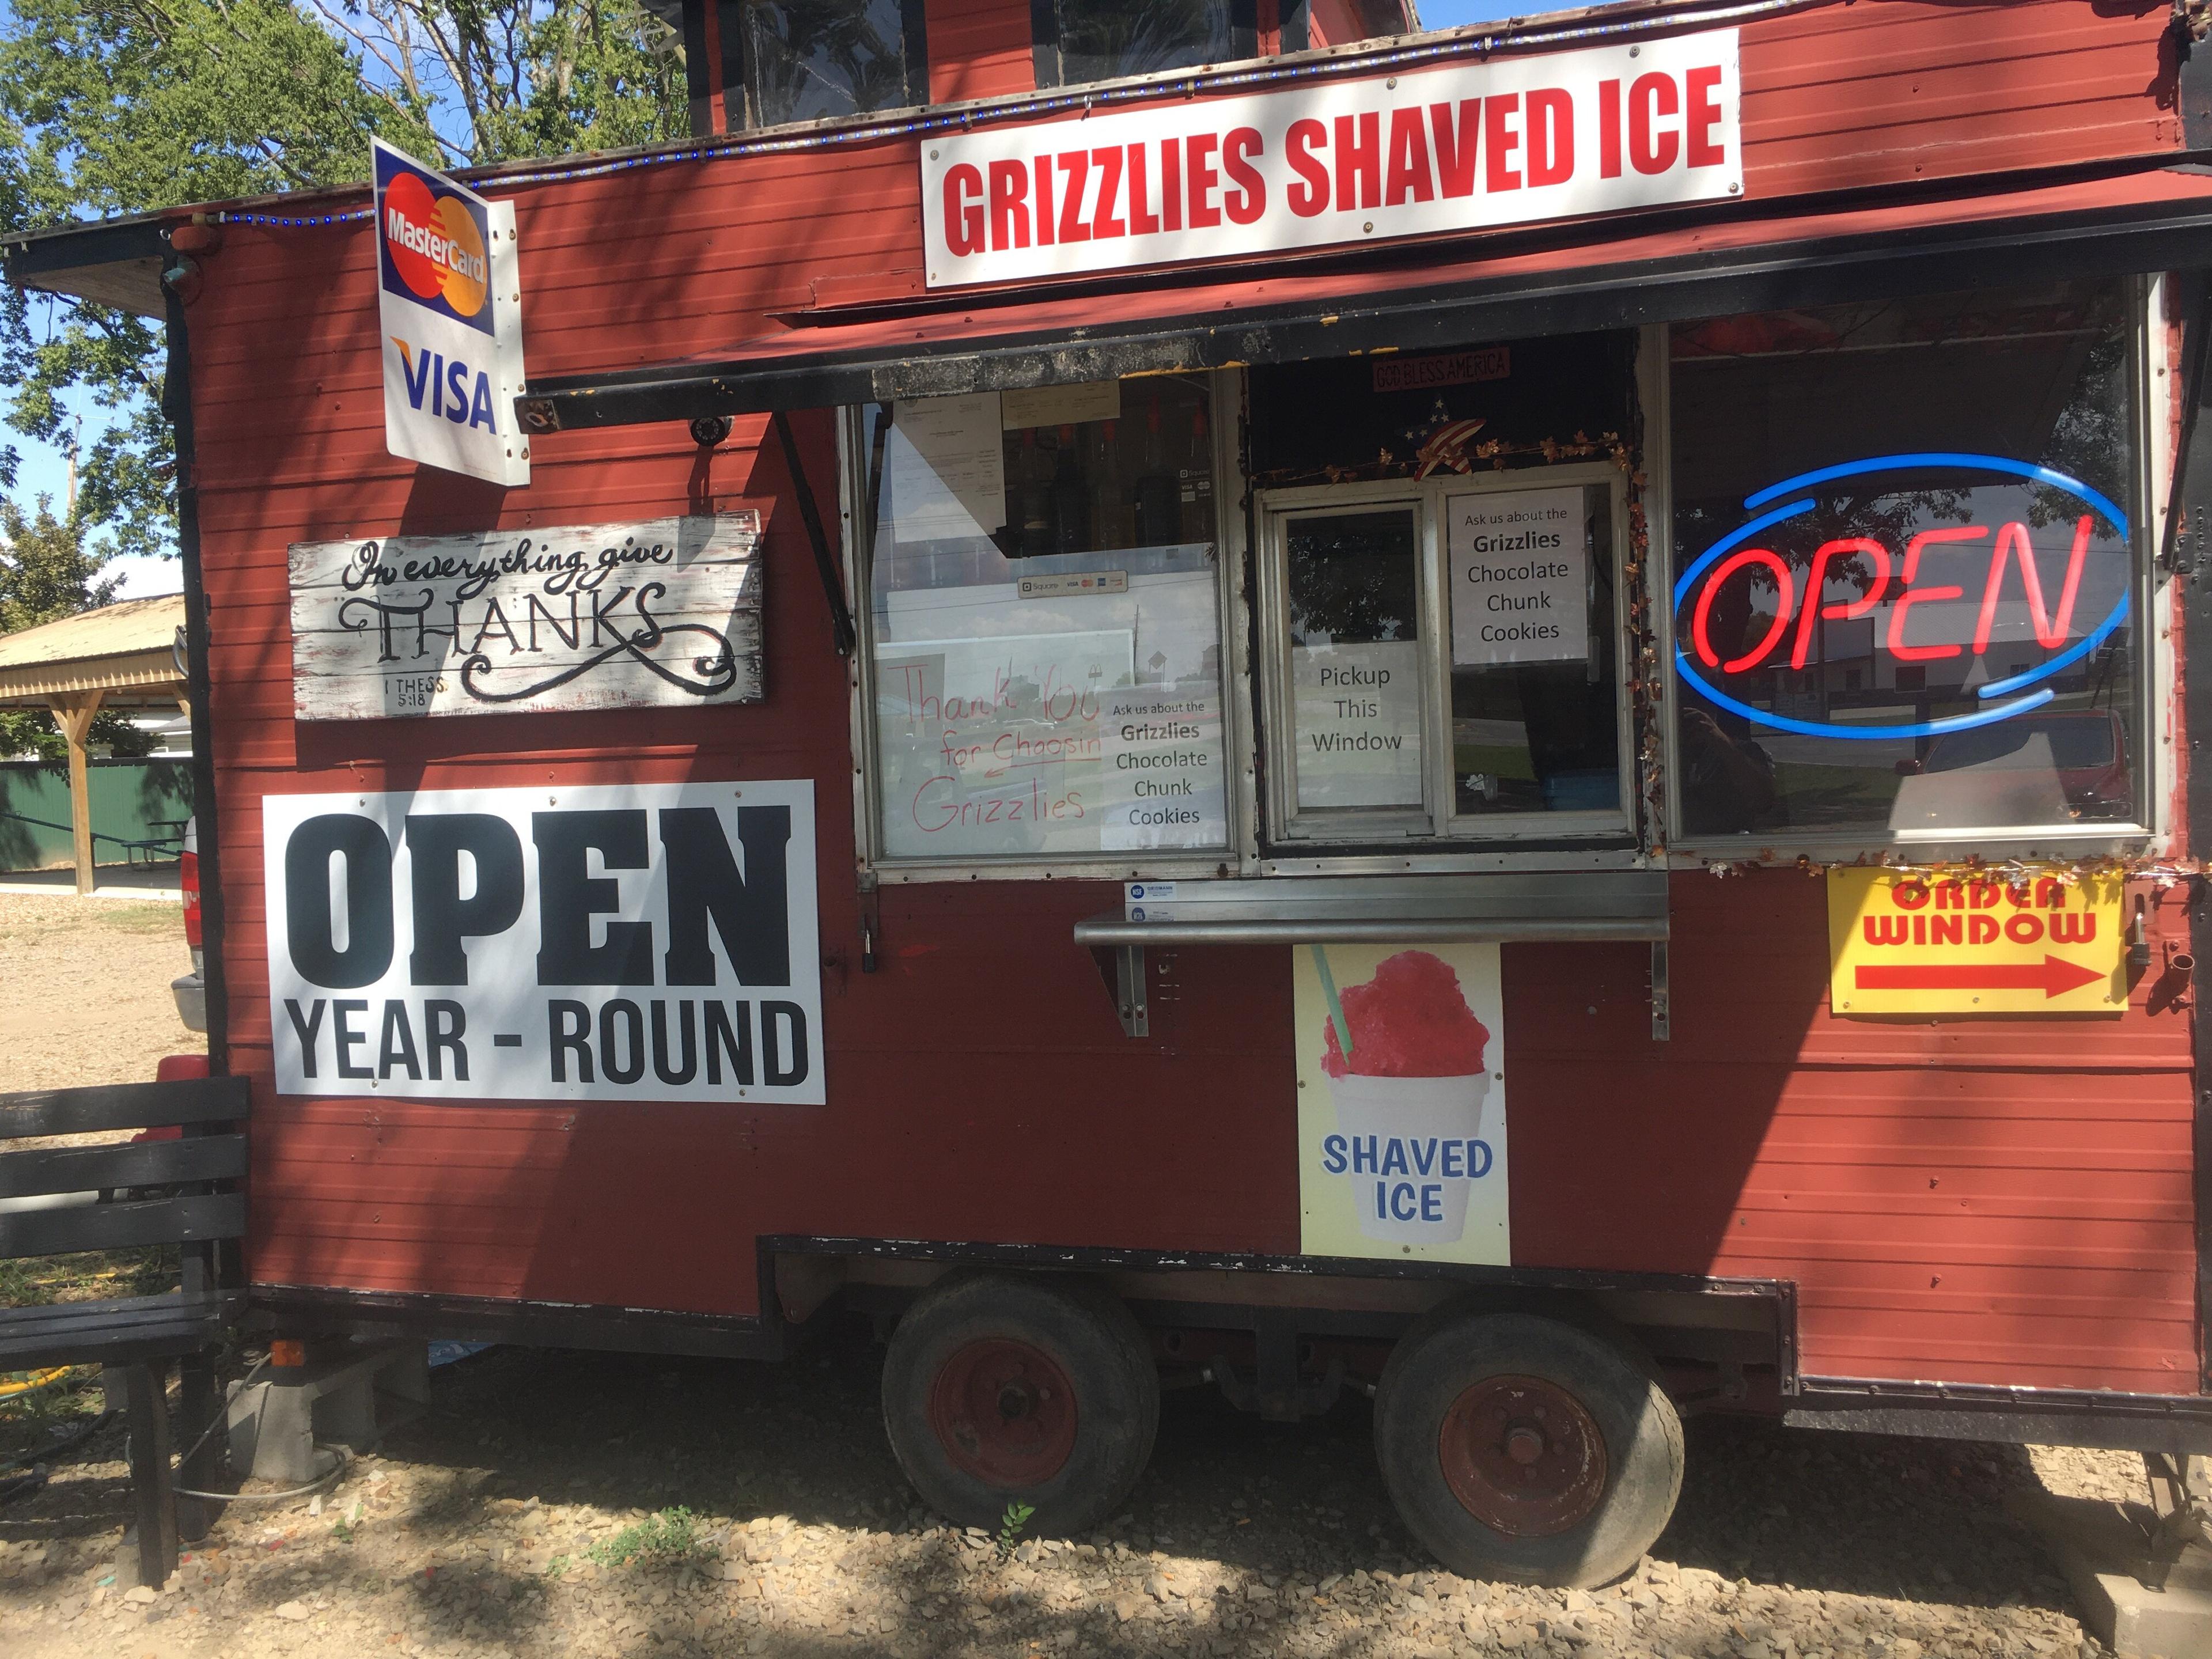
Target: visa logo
x=447, y=383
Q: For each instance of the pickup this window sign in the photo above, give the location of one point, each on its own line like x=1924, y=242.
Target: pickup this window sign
x=663, y=612
x=656, y=942
x=1465, y=148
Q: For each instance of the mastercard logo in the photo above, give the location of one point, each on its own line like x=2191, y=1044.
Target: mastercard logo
x=434, y=246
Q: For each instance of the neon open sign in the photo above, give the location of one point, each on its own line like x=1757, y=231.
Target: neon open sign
x=1934, y=600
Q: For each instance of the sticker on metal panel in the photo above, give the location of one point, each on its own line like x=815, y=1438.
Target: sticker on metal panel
x=2037, y=942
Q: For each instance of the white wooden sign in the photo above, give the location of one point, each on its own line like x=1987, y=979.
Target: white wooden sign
x=661, y=613
x=1471, y=146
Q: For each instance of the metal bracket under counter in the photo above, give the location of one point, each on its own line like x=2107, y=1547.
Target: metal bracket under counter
x=1547, y=907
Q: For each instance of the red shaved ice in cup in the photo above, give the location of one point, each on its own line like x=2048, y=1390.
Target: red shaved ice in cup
x=1410, y=1098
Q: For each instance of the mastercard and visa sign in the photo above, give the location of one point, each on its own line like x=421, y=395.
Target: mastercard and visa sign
x=452, y=338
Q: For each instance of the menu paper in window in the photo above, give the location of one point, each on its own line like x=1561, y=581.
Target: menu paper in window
x=1481, y=142
x=1061, y=405
x=1520, y=577
x=1357, y=717
x=948, y=467
x=1051, y=726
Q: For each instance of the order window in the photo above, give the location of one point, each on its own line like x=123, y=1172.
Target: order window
x=1443, y=657
x=812, y=60
x=1908, y=570
x=1044, y=634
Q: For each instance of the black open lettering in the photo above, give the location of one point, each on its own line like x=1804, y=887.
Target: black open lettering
x=568, y=898
x=750, y=910
x=311, y=927
x=443, y=918
x=687, y=1034
x=395, y=1047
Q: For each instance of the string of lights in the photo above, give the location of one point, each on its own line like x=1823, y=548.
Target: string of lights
x=1034, y=105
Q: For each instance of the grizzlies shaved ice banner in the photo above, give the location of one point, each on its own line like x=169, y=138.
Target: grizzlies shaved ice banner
x=634, y=942
x=449, y=300
x=1401, y=1103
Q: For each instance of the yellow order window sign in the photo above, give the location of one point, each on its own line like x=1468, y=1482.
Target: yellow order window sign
x=1971, y=942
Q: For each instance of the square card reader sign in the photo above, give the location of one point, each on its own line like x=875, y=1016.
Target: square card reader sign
x=449, y=300
x=649, y=942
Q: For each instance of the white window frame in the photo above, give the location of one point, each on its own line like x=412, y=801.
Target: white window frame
x=1224, y=411
x=1433, y=834
x=2152, y=597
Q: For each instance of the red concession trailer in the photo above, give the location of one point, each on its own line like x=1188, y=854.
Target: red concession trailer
x=1496, y=718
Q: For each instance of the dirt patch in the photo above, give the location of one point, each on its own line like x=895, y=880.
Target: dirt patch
x=84, y=990
x=512, y=1521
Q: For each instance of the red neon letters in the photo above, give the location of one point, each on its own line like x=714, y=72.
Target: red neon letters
x=2052, y=626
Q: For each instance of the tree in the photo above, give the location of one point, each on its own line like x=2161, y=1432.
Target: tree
x=147, y=104
x=46, y=573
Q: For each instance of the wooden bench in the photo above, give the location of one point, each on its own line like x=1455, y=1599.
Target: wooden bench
x=184, y=1190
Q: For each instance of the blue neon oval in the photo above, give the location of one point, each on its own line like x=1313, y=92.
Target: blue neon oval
x=2028, y=470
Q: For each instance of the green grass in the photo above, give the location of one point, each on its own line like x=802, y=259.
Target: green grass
x=671, y=1536
x=40, y=1281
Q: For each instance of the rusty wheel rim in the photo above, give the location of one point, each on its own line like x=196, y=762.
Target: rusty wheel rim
x=1523, y=1457
x=1004, y=1412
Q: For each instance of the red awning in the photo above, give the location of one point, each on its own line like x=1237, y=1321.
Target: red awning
x=1416, y=298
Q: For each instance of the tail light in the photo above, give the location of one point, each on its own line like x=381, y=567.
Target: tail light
x=188, y=879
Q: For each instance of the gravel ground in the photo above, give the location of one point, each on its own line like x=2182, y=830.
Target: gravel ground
x=84, y=990
x=492, y=1526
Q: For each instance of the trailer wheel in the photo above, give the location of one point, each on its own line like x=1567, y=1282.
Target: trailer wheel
x=1522, y=1448
x=1001, y=1389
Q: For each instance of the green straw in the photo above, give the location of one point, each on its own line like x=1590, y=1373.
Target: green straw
x=1336, y=1005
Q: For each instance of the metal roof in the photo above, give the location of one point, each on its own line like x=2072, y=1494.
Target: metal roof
x=119, y=649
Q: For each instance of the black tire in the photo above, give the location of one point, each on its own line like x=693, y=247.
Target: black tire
x=1603, y=1468
x=1072, y=1456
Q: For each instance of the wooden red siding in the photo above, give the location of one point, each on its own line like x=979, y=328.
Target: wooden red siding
x=2003, y=1202
x=978, y=49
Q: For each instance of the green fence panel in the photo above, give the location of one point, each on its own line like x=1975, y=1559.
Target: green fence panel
x=133, y=800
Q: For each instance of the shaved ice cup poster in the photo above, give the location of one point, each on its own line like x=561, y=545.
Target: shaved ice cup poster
x=1401, y=1140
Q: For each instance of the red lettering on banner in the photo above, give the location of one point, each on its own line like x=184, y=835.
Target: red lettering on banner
x=1551, y=137
x=1010, y=211
x=2050, y=631
x=1912, y=596
x=1501, y=140
x=1705, y=84
x=1358, y=152
x=1649, y=149
x=1142, y=221
x=1310, y=194
x=1106, y=223
x=1197, y=148
x=1248, y=200
x=1076, y=164
x=1608, y=129
x=1170, y=184
x=963, y=209
x=1044, y=201
x=1409, y=177
x=1816, y=584
x=1456, y=144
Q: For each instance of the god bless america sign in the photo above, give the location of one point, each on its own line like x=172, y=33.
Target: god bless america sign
x=1420, y=154
x=657, y=942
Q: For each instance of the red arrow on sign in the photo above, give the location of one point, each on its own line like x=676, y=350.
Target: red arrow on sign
x=2053, y=976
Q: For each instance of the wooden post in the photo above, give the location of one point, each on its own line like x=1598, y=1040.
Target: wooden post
x=150, y=1551
x=74, y=714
